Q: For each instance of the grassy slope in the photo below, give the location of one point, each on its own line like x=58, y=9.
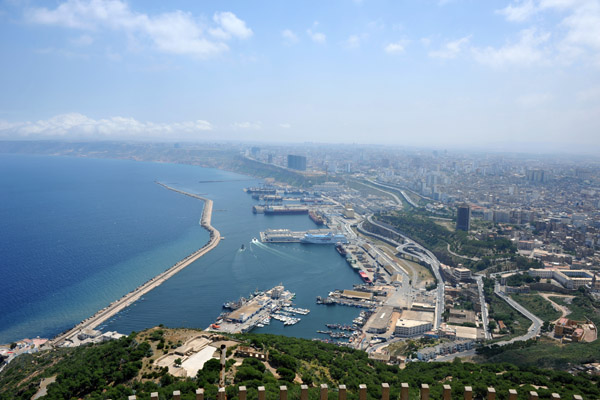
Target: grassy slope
x=537, y=305
x=549, y=353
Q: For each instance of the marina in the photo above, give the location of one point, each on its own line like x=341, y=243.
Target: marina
x=258, y=310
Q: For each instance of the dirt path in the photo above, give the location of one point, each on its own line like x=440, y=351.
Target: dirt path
x=564, y=310
x=461, y=256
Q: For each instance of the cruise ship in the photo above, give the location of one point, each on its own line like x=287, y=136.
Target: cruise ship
x=324, y=238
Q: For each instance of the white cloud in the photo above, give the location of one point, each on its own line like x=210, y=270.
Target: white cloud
x=578, y=29
x=583, y=26
x=527, y=51
x=520, y=11
x=451, y=49
x=80, y=126
x=174, y=32
x=229, y=25
x=396, y=47
x=352, y=42
x=285, y=125
x=289, y=37
x=316, y=37
x=253, y=126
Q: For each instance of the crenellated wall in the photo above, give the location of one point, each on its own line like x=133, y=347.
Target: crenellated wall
x=362, y=393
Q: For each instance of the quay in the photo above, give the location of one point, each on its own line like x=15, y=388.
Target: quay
x=125, y=301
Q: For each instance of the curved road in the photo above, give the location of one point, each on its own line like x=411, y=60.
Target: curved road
x=533, y=331
x=428, y=257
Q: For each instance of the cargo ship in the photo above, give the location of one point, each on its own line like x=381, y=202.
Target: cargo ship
x=267, y=197
x=364, y=277
x=260, y=190
x=286, y=210
x=316, y=218
x=324, y=238
x=340, y=249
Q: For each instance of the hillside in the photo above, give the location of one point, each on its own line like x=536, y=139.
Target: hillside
x=121, y=368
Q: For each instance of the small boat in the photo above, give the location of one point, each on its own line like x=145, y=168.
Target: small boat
x=215, y=326
x=243, y=247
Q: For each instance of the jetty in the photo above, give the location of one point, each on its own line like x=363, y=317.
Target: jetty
x=118, y=305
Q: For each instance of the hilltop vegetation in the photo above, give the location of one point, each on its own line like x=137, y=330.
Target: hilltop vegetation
x=475, y=254
x=124, y=367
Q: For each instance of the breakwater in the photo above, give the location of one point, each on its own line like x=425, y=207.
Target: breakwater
x=118, y=305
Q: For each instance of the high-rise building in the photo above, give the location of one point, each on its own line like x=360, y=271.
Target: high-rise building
x=296, y=162
x=463, y=218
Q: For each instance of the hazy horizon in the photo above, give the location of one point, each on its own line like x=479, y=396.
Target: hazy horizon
x=503, y=75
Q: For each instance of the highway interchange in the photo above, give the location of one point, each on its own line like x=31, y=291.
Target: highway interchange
x=413, y=249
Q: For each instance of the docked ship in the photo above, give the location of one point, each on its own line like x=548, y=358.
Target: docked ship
x=273, y=198
x=260, y=190
x=279, y=236
x=273, y=210
x=316, y=217
x=365, y=277
x=340, y=249
x=324, y=238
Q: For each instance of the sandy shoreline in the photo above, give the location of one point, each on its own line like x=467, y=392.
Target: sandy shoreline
x=118, y=305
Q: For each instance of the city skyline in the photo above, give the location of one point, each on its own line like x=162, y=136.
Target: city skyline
x=504, y=75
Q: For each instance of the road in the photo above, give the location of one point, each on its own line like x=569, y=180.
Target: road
x=533, y=331
x=536, y=323
x=402, y=192
x=420, y=252
x=484, y=308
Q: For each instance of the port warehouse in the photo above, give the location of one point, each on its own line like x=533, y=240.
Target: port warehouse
x=408, y=324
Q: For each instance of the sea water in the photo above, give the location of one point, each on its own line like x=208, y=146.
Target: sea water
x=79, y=233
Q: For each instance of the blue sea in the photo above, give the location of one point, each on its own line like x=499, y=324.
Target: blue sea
x=79, y=233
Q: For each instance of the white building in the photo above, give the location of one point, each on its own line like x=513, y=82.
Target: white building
x=411, y=327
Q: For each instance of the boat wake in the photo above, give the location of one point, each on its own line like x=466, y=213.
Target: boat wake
x=276, y=252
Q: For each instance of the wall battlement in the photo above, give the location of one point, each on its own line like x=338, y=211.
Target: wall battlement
x=323, y=391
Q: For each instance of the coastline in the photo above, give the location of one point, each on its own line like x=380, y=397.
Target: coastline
x=118, y=305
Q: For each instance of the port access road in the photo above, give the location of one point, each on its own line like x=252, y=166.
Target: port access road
x=533, y=331
x=122, y=303
x=426, y=256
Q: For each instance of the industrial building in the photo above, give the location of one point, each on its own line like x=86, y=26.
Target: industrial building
x=380, y=322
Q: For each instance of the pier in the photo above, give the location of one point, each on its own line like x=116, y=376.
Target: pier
x=118, y=305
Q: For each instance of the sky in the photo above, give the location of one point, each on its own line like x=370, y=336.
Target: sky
x=499, y=74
